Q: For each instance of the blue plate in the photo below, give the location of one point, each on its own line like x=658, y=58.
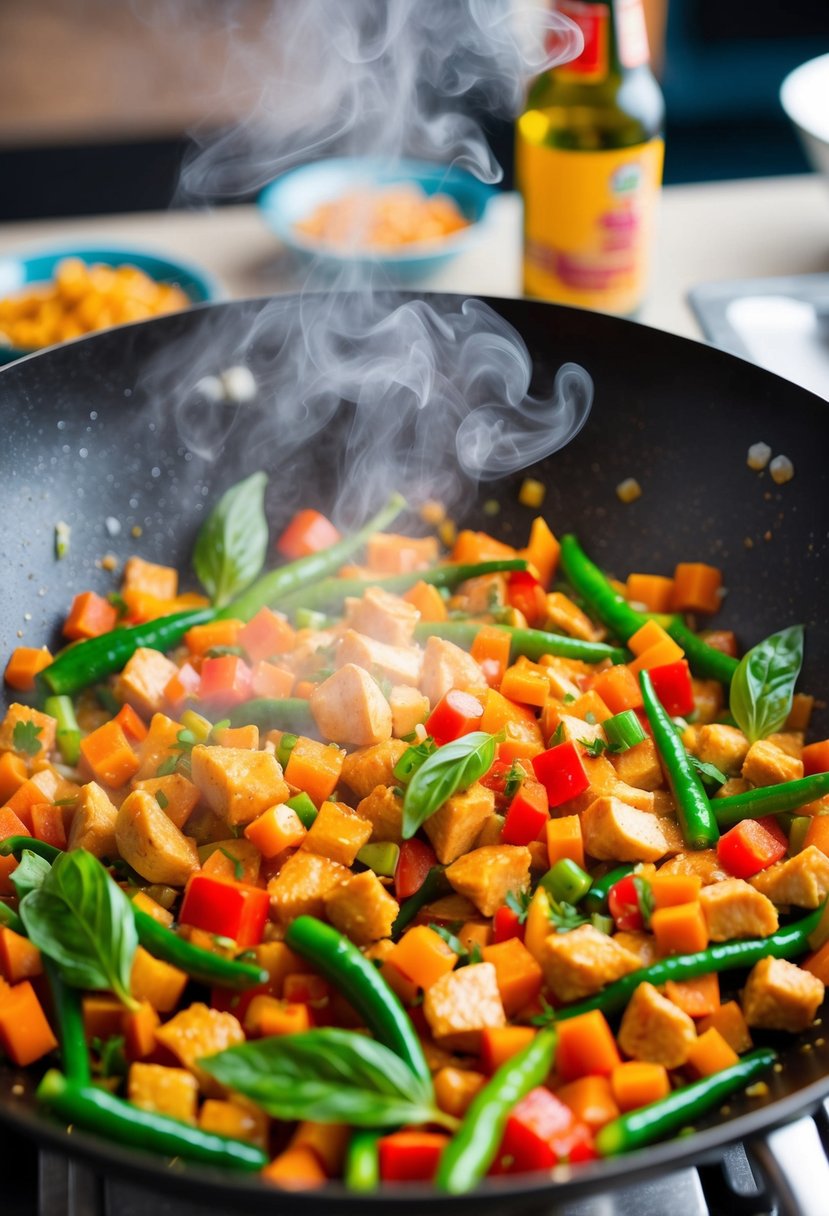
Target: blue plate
x=294, y=195
x=19, y=270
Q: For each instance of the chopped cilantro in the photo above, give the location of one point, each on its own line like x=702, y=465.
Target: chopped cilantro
x=513, y=780
x=519, y=903
x=594, y=747
x=238, y=867
x=710, y=775
x=111, y=1061
x=162, y=799
x=558, y=736
x=644, y=897
x=564, y=916
x=25, y=738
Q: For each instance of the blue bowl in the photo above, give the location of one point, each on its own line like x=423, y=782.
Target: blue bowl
x=20, y=270
x=294, y=195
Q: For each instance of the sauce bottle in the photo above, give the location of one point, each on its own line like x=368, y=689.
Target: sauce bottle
x=589, y=154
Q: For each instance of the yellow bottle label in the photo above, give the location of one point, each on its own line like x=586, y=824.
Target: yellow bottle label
x=588, y=222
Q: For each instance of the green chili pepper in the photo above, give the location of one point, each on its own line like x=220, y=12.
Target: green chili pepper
x=340, y=961
x=89, y=661
x=330, y=594
x=304, y=808
x=615, y=612
x=291, y=714
x=362, y=1161
x=566, y=881
x=532, y=643
x=596, y=898
x=471, y=1151
x=770, y=799
x=278, y=585
x=696, y=818
x=202, y=965
x=71, y=1033
x=96, y=1110
x=433, y=886
x=16, y=844
x=641, y=1127
x=68, y=733
x=725, y=956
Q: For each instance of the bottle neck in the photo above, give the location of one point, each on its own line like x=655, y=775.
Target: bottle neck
x=615, y=39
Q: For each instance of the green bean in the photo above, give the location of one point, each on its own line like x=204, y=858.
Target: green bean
x=533, y=643
x=202, y=965
x=10, y=920
x=670, y=1114
x=433, y=886
x=473, y=1148
x=725, y=956
x=614, y=611
x=596, y=898
x=770, y=799
x=359, y=981
x=96, y=1110
x=71, y=1033
x=362, y=1161
x=330, y=594
x=696, y=818
x=290, y=713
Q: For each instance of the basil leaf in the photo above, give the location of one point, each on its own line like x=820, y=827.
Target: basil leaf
x=341, y=1076
x=711, y=776
x=451, y=768
x=84, y=922
x=231, y=546
x=763, y=684
x=31, y=873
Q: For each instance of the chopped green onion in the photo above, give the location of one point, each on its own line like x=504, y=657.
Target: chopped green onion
x=197, y=725
x=623, y=730
x=380, y=857
x=304, y=808
x=286, y=745
x=603, y=924
x=68, y=733
x=566, y=882
x=797, y=833
x=307, y=618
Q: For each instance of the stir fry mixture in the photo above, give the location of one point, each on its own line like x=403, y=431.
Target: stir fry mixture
x=427, y=868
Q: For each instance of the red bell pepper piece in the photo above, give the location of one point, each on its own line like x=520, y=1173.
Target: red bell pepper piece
x=414, y=863
x=506, y=924
x=561, y=772
x=542, y=1131
x=410, y=1156
x=528, y=813
x=456, y=714
x=227, y=909
x=308, y=532
x=526, y=593
x=751, y=846
x=225, y=681
x=623, y=904
x=672, y=684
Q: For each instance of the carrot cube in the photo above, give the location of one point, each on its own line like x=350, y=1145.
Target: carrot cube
x=710, y=1053
x=564, y=840
x=542, y=550
x=455, y=1088
x=619, y=688
x=680, y=929
x=267, y=1015
x=315, y=768
x=23, y=666
x=586, y=1045
x=473, y=547
x=491, y=650
x=25, y=1034
x=699, y=998
x=153, y=579
x=140, y=1026
x=591, y=1100
x=731, y=1024
x=815, y=758
x=671, y=889
x=8, y=865
x=103, y=1016
x=501, y=1043
x=328, y=1141
x=526, y=683
x=133, y=726
x=517, y=973
x=108, y=753
x=11, y=824
x=653, y=591
x=202, y=638
x=422, y=956
x=589, y=703
x=696, y=588
x=265, y=635
x=90, y=616
x=19, y=959
x=661, y=655
x=156, y=982
x=237, y=1122
x=428, y=601
x=296, y=1169
x=48, y=824
x=650, y=634
x=637, y=1083
x=12, y=775
x=246, y=737
x=276, y=829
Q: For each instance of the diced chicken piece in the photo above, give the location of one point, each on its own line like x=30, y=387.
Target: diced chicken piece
x=93, y=823
x=487, y=875
x=491, y=832
x=398, y=664
x=302, y=884
x=446, y=666
x=578, y=730
x=734, y=785
x=142, y=682
x=767, y=764
x=362, y=909
x=643, y=945
x=176, y=796
x=803, y=880
x=639, y=766
x=656, y=1030
x=454, y=827
x=448, y=910
x=781, y=996
x=724, y=746
x=384, y=811
x=350, y=708
x=604, y=781
x=45, y=728
x=368, y=767
x=338, y=833
x=312, y=650
x=238, y=784
x=461, y=1004
x=383, y=616
x=789, y=741
x=150, y=843
x=734, y=909
x=673, y=834
x=562, y=678
x=159, y=746
x=46, y=785
x=565, y=616
x=164, y=1091
x=393, y=553
x=705, y=863
x=409, y=708
x=614, y=831
x=663, y=803
x=196, y=1032
x=152, y=579
x=234, y=859
x=708, y=699
x=578, y=963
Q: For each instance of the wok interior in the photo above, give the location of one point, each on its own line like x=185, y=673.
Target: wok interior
x=87, y=441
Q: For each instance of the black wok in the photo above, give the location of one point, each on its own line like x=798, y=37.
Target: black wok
x=84, y=441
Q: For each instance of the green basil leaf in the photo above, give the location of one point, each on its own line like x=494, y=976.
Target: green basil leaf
x=763, y=684
x=709, y=774
x=231, y=546
x=451, y=768
x=84, y=922
x=340, y=1076
x=31, y=873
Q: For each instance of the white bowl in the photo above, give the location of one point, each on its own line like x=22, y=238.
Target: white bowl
x=804, y=96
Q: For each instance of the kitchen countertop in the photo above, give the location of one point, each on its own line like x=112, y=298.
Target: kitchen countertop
x=755, y=228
